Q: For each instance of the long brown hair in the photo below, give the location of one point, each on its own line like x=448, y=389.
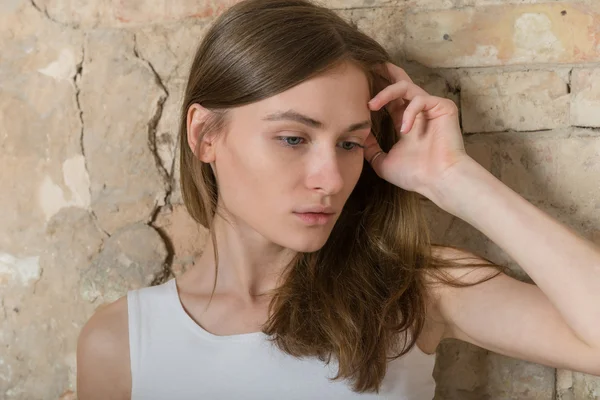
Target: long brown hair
x=357, y=297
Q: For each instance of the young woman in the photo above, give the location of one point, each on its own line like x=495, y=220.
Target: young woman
x=303, y=151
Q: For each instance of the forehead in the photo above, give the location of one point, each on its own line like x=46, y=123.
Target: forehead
x=337, y=97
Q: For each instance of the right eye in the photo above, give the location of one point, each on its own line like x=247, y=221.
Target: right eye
x=290, y=141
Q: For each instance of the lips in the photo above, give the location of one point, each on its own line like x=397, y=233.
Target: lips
x=316, y=209
x=311, y=218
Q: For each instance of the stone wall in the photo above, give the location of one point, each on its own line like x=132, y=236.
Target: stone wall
x=89, y=200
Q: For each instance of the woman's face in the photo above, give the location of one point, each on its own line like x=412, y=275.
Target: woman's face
x=297, y=149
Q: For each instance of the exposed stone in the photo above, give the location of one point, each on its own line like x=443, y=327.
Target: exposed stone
x=122, y=100
x=586, y=386
x=434, y=84
x=585, y=101
x=348, y=4
x=564, y=384
x=105, y=14
x=170, y=50
x=494, y=2
x=21, y=271
x=523, y=101
x=186, y=237
x=467, y=372
x=458, y=369
x=42, y=322
x=129, y=260
x=382, y=24
x=552, y=170
x=480, y=152
x=176, y=194
x=510, y=378
x=421, y=5
x=41, y=168
x=504, y=35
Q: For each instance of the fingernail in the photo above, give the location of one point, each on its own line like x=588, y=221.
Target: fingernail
x=403, y=127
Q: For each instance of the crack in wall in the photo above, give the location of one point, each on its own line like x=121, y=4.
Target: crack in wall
x=587, y=128
x=76, y=83
x=76, y=79
x=44, y=12
x=569, y=87
x=35, y=284
x=152, y=128
x=166, y=271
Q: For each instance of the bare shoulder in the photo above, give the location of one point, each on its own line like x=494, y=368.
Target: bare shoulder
x=103, y=366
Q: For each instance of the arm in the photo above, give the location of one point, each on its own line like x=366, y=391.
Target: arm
x=103, y=355
x=555, y=323
x=558, y=319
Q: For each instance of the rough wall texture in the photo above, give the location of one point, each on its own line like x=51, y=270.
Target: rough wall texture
x=89, y=95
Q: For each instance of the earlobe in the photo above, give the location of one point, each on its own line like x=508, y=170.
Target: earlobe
x=196, y=121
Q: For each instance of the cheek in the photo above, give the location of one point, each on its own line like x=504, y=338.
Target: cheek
x=249, y=182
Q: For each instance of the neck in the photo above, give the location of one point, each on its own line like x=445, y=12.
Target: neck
x=250, y=265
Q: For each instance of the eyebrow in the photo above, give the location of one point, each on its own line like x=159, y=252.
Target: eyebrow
x=292, y=115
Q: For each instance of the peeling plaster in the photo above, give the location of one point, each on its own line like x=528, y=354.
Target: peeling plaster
x=52, y=197
x=24, y=270
x=62, y=69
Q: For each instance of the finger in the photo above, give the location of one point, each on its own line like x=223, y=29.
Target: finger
x=386, y=74
x=371, y=150
x=382, y=80
x=396, y=113
x=419, y=104
x=399, y=90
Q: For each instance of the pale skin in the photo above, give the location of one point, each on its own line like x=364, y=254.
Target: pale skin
x=555, y=323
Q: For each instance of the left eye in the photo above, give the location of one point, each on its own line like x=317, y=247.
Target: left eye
x=293, y=141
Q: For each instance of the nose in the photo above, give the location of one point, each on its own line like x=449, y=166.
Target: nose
x=325, y=173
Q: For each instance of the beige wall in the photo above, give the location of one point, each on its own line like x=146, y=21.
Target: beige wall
x=89, y=203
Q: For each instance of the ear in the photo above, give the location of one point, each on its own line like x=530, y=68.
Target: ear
x=197, y=118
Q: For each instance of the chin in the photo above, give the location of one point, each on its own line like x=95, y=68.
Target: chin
x=313, y=244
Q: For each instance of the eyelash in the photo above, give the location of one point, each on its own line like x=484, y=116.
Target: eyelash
x=283, y=138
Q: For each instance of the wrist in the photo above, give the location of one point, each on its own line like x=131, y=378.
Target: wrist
x=449, y=188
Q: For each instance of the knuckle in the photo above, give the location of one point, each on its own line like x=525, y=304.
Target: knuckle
x=451, y=104
x=404, y=84
x=419, y=99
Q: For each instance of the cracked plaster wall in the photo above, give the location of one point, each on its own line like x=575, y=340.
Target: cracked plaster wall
x=90, y=203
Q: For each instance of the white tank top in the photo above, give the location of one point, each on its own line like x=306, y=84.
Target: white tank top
x=174, y=358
